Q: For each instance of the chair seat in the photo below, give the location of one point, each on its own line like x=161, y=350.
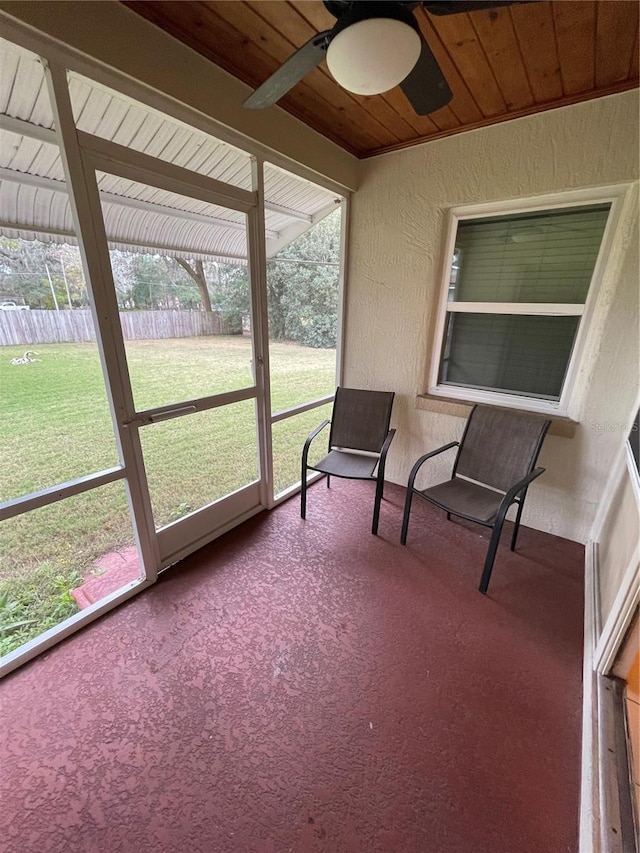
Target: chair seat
x=465, y=498
x=341, y=463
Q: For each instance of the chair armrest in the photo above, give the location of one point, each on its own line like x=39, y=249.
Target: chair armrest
x=310, y=437
x=387, y=442
x=514, y=491
x=383, y=454
x=423, y=459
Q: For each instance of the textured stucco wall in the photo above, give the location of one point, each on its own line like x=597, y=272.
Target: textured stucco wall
x=397, y=227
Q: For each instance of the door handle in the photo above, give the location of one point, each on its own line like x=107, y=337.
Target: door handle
x=171, y=413
x=145, y=420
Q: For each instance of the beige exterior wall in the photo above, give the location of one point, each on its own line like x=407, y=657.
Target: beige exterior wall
x=617, y=542
x=397, y=227
x=114, y=35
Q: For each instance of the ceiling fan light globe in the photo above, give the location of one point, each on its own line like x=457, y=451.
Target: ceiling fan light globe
x=374, y=55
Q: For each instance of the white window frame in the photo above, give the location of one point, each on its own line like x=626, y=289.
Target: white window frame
x=616, y=195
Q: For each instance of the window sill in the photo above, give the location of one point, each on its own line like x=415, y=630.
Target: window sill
x=561, y=425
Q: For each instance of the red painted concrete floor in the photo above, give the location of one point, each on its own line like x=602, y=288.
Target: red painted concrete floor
x=109, y=573
x=305, y=686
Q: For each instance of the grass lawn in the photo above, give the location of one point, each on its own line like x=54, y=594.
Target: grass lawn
x=55, y=426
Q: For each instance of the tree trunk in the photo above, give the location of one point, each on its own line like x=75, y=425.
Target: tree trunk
x=200, y=279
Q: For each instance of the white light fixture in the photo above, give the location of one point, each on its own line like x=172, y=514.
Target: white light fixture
x=374, y=55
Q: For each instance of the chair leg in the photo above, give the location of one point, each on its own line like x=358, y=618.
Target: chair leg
x=491, y=555
x=328, y=481
x=405, y=517
x=516, y=526
x=448, y=516
x=376, y=505
x=303, y=493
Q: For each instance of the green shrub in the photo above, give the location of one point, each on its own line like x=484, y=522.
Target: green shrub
x=30, y=606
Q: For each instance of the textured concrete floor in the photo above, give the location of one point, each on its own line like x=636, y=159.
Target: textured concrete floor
x=305, y=686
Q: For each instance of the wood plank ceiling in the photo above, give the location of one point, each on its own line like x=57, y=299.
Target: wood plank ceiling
x=500, y=64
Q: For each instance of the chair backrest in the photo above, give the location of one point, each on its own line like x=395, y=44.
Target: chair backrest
x=360, y=419
x=500, y=447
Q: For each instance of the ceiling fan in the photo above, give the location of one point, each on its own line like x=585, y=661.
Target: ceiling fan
x=373, y=47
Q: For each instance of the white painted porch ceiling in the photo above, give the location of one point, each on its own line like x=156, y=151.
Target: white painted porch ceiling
x=34, y=203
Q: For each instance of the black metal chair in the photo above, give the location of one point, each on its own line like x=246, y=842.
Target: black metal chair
x=359, y=440
x=493, y=469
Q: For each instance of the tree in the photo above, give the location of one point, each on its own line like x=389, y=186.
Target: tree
x=151, y=281
x=302, y=286
x=30, y=269
x=231, y=291
x=302, y=282
x=198, y=275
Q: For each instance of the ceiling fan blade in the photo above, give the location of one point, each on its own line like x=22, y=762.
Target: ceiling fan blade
x=426, y=87
x=304, y=60
x=452, y=7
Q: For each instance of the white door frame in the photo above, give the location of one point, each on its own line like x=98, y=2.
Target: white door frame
x=81, y=153
x=180, y=538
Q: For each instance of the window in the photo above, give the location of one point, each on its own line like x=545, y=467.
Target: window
x=517, y=292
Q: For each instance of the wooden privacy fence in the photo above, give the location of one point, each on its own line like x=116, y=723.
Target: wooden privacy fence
x=56, y=327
